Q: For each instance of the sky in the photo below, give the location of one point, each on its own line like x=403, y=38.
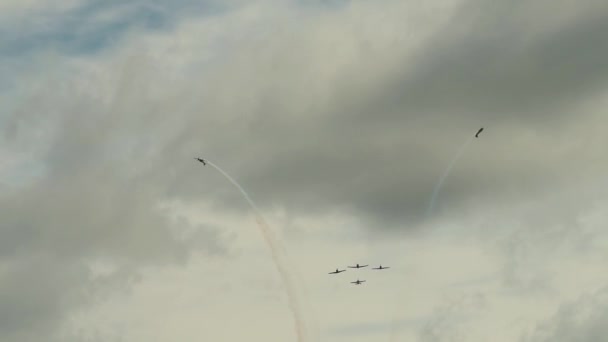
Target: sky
x=338, y=118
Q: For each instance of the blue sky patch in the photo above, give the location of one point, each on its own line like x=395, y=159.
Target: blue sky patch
x=96, y=25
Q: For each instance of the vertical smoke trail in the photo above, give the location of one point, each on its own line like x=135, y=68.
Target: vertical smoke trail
x=445, y=176
x=279, y=257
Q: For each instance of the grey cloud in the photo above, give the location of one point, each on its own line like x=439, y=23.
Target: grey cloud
x=96, y=200
x=298, y=126
x=584, y=320
x=35, y=292
x=98, y=159
x=72, y=223
x=499, y=62
x=374, y=328
x=378, y=147
x=446, y=322
x=367, y=145
x=88, y=214
x=39, y=292
x=533, y=236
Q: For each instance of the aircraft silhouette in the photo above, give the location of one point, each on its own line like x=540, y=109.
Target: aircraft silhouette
x=336, y=271
x=201, y=160
x=477, y=134
x=380, y=268
x=358, y=282
x=358, y=266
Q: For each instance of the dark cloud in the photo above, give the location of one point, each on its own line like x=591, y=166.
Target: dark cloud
x=501, y=63
x=373, y=138
x=34, y=294
x=379, y=146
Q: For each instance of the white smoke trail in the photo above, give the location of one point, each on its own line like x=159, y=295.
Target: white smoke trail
x=445, y=176
x=279, y=256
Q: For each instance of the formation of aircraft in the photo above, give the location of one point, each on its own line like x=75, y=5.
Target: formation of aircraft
x=358, y=282
x=201, y=160
x=477, y=134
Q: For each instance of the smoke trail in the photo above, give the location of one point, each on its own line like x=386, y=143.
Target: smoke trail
x=445, y=176
x=279, y=257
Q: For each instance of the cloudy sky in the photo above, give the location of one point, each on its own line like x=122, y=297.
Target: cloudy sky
x=338, y=117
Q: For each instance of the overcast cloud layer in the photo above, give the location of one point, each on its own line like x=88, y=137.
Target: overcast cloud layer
x=338, y=117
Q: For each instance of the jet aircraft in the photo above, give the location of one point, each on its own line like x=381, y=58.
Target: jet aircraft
x=358, y=266
x=358, y=282
x=477, y=134
x=380, y=268
x=336, y=271
x=201, y=160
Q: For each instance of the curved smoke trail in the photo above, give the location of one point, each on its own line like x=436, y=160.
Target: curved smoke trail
x=445, y=175
x=279, y=257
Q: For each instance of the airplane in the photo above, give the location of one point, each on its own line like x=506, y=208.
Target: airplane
x=336, y=271
x=477, y=134
x=358, y=282
x=358, y=266
x=380, y=268
x=201, y=160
